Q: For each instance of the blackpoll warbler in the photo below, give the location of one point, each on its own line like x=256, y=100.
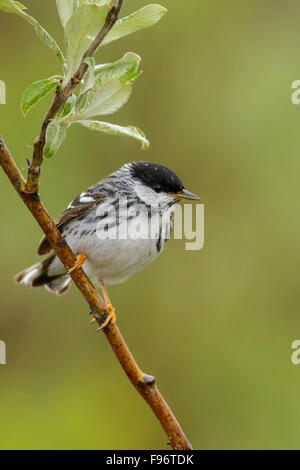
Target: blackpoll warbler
x=115, y=227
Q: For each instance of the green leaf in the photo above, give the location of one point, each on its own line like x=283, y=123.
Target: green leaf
x=55, y=135
x=66, y=109
x=66, y=7
x=15, y=7
x=46, y=38
x=88, y=83
x=10, y=6
x=114, y=129
x=106, y=99
x=81, y=29
x=125, y=69
x=20, y=5
x=65, y=10
x=89, y=77
x=35, y=92
x=140, y=19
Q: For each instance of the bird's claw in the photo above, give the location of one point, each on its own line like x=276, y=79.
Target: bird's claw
x=78, y=264
x=108, y=317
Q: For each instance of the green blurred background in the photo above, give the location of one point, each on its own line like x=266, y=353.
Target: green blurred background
x=215, y=327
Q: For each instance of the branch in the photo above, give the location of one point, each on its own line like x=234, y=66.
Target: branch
x=61, y=96
x=143, y=383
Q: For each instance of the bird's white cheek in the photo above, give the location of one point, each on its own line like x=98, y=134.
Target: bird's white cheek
x=145, y=194
x=150, y=197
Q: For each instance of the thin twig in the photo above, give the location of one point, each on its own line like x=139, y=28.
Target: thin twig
x=61, y=96
x=143, y=383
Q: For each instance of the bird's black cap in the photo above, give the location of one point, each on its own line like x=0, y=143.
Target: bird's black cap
x=157, y=177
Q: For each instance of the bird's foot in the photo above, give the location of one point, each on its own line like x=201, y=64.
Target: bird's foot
x=111, y=318
x=108, y=317
x=79, y=263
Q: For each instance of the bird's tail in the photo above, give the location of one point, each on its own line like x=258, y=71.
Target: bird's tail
x=37, y=275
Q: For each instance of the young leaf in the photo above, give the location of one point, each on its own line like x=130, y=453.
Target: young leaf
x=88, y=83
x=20, y=5
x=66, y=108
x=106, y=99
x=125, y=69
x=140, y=19
x=35, y=92
x=83, y=26
x=46, y=38
x=89, y=77
x=114, y=129
x=66, y=7
x=65, y=10
x=55, y=135
x=15, y=7
x=10, y=6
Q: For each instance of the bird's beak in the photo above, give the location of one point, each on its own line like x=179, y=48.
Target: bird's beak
x=184, y=194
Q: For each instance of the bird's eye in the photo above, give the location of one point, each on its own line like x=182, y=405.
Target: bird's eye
x=157, y=188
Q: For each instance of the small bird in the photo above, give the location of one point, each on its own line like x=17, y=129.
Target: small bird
x=115, y=228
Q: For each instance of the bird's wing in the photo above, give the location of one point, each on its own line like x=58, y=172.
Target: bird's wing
x=80, y=205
